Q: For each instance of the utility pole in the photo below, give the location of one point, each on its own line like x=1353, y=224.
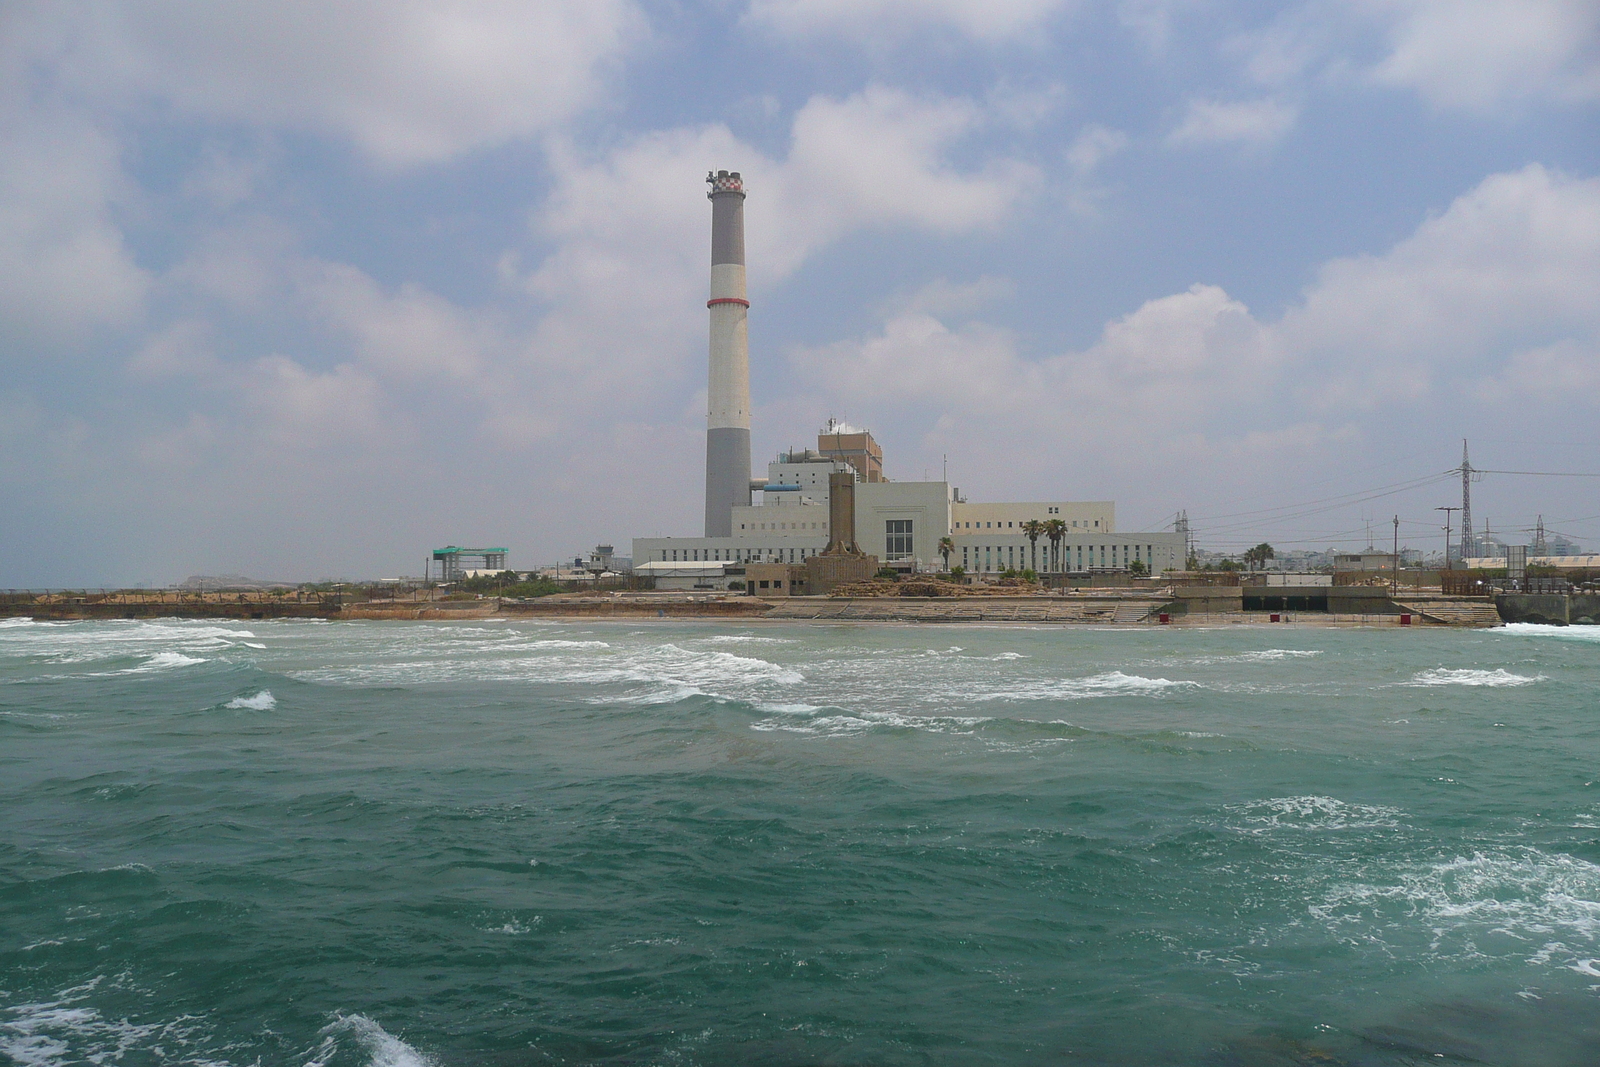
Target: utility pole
x=1447, y=512
x=1394, y=574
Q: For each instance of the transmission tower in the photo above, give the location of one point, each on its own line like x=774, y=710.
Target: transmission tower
x=1466, y=502
x=1539, y=546
x=1181, y=526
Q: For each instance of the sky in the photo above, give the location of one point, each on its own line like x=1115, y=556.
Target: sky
x=306, y=290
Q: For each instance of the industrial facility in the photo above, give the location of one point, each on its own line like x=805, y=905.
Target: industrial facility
x=910, y=526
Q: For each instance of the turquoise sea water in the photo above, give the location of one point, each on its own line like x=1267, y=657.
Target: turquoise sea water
x=670, y=843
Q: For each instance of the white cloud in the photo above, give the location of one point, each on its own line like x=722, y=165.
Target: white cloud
x=1246, y=121
x=624, y=284
x=867, y=21
x=1092, y=147
x=1514, y=259
x=1483, y=54
x=407, y=80
x=64, y=266
x=1490, y=300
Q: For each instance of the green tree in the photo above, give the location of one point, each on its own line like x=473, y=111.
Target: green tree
x=958, y=572
x=1138, y=569
x=1034, y=529
x=947, y=545
x=1056, y=530
x=1257, y=557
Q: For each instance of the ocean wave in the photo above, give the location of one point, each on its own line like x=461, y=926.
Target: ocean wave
x=1497, y=677
x=375, y=1046
x=559, y=643
x=1535, y=898
x=1111, y=683
x=839, y=722
x=262, y=701
x=668, y=672
x=65, y=1030
x=731, y=639
x=1313, y=813
x=1585, y=634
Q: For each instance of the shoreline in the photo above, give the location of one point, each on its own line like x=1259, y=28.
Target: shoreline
x=1121, y=611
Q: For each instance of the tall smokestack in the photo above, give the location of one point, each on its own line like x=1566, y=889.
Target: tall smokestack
x=728, y=407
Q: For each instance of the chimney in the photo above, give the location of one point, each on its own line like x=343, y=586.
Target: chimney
x=728, y=392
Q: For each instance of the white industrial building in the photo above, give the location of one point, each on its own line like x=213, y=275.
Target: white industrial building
x=902, y=524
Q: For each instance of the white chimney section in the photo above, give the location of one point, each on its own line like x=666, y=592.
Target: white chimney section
x=728, y=395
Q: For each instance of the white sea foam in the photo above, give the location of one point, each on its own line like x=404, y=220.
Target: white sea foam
x=731, y=639
x=65, y=1030
x=1313, y=813
x=262, y=701
x=1497, y=677
x=1276, y=653
x=1532, y=898
x=1111, y=683
x=1587, y=634
x=383, y=1048
x=163, y=661
x=841, y=723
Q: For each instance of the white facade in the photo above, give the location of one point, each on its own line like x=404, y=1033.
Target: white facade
x=1097, y=516
x=898, y=521
x=757, y=548
x=994, y=551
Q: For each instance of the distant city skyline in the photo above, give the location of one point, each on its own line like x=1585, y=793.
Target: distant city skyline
x=295, y=292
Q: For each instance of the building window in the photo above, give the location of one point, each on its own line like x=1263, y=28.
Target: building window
x=897, y=538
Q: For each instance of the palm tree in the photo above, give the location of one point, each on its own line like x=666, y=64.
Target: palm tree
x=1257, y=557
x=1056, y=530
x=946, y=546
x=1034, y=529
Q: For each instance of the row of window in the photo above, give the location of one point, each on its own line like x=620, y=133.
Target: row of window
x=786, y=526
x=983, y=558
x=736, y=555
x=1074, y=525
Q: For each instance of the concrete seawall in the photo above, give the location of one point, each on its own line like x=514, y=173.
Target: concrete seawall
x=1557, y=609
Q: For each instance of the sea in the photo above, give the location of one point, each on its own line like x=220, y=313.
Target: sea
x=393, y=844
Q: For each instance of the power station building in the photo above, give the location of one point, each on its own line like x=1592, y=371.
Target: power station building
x=901, y=523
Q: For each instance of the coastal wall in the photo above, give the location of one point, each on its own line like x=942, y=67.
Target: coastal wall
x=1557, y=609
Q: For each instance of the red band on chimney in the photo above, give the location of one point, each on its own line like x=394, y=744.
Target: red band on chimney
x=727, y=300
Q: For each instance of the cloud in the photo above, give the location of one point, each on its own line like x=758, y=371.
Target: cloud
x=1092, y=147
x=1483, y=54
x=409, y=81
x=1514, y=259
x=988, y=21
x=1247, y=122
x=64, y=266
x=1491, y=299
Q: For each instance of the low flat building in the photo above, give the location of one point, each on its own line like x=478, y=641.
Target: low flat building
x=690, y=575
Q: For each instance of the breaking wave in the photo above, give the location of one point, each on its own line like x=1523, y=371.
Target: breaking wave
x=1111, y=683
x=1313, y=813
x=353, y=1039
x=1497, y=677
x=262, y=701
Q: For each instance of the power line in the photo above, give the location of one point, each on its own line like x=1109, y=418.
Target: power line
x=1537, y=474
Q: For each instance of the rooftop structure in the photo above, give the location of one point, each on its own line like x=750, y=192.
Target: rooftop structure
x=852, y=446
x=454, y=562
